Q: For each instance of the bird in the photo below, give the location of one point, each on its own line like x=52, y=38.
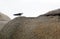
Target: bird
x=18, y=14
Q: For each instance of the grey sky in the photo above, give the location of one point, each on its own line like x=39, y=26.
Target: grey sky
x=30, y=8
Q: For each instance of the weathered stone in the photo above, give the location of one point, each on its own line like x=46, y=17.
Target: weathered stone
x=3, y=20
x=3, y=17
x=42, y=27
x=53, y=12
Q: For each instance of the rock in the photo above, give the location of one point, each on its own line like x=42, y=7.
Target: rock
x=3, y=20
x=42, y=27
x=53, y=12
x=3, y=17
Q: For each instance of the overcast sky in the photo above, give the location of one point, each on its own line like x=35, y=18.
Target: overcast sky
x=30, y=8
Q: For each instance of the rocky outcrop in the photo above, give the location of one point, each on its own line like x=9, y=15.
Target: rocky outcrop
x=42, y=27
x=3, y=17
x=3, y=20
x=53, y=12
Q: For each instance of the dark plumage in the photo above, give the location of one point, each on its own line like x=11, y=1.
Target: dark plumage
x=18, y=14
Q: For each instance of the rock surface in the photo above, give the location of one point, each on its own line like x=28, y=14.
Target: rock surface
x=42, y=27
x=3, y=20
x=3, y=17
x=52, y=13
